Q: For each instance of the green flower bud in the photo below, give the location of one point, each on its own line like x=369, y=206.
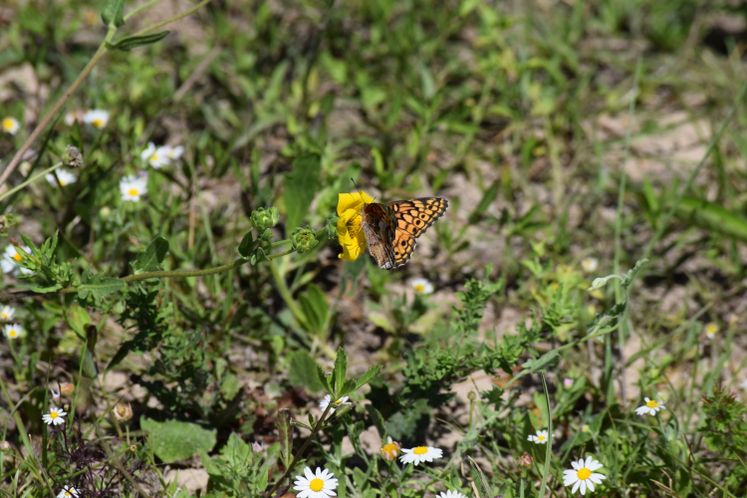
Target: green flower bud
x=303, y=239
x=264, y=218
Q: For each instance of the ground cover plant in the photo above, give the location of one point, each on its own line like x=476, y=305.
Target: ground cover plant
x=189, y=191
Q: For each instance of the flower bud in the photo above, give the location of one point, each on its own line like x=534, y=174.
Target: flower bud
x=303, y=240
x=123, y=411
x=264, y=218
x=73, y=158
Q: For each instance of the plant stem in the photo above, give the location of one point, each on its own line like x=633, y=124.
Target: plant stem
x=45, y=120
x=29, y=181
x=184, y=273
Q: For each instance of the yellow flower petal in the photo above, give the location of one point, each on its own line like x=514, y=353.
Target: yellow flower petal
x=349, y=232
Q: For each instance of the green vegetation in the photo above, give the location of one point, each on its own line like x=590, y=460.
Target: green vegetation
x=176, y=319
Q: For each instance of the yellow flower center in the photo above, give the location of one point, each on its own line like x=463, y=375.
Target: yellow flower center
x=68, y=493
x=711, y=329
x=390, y=450
x=337, y=402
x=53, y=414
x=583, y=473
x=12, y=333
x=420, y=450
x=4, y=315
x=420, y=288
x=98, y=122
x=17, y=256
x=8, y=124
x=652, y=403
x=133, y=191
x=541, y=437
x=316, y=484
x=154, y=157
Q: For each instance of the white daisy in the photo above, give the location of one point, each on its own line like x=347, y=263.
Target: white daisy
x=589, y=265
x=69, y=492
x=13, y=331
x=420, y=454
x=157, y=157
x=6, y=313
x=10, y=125
x=711, y=329
x=64, y=176
x=339, y=402
x=651, y=407
x=421, y=286
x=12, y=258
x=56, y=416
x=582, y=476
x=73, y=117
x=539, y=438
x=450, y=494
x=98, y=118
x=133, y=188
x=319, y=484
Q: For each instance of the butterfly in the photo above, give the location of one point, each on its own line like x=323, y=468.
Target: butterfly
x=391, y=229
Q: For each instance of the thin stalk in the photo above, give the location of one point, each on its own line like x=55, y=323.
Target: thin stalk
x=29, y=181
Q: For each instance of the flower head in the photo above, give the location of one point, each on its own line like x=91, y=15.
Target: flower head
x=324, y=403
x=650, y=407
x=173, y=152
x=582, y=475
x=319, y=484
x=390, y=450
x=55, y=416
x=421, y=286
x=349, y=232
x=10, y=125
x=75, y=116
x=540, y=437
x=68, y=492
x=420, y=454
x=13, y=331
x=98, y=118
x=122, y=411
x=133, y=188
x=6, y=313
x=12, y=258
x=711, y=329
x=64, y=176
x=589, y=265
x=450, y=494
x=155, y=156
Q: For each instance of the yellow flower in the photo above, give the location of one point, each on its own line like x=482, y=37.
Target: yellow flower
x=349, y=232
x=390, y=450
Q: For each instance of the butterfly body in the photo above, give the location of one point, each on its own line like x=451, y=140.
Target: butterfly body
x=391, y=229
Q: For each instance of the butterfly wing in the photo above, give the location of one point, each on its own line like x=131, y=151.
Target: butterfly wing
x=413, y=217
x=379, y=226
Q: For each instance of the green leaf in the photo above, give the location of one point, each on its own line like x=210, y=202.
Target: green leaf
x=713, y=217
x=230, y=386
x=303, y=371
x=246, y=246
x=96, y=288
x=285, y=431
x=151, y=258
x=78, y=319
x=130, y=42
x=173, y=440
x=367, y=377
x=113, y=13
x=300, y=186
x=338, y=375
x=314, y=305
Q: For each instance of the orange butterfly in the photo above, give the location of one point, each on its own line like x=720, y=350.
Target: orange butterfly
x=391, y=228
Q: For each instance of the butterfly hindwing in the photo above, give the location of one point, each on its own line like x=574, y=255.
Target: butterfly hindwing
x=413, y=217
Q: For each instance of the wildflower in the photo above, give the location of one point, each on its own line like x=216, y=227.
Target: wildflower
x=10, y=125
x=349, y=232
x=6, y=313
x=98, y=118
x=75, y=116
x=173, y=152
x=12, y=259
x=133, y=188
x=64, y=176
x=421, y=286
x=539, y=438
x=68, y=492
x=651, y=407
x=567, y=382
x=156, y=157
x=582, y=475
x=258, y=447
x=56, y=416
x=390, y=450
x=450, y=494
x=123, y=411
x=420, y=454
x=13, y=331
x=589, y=265
x=319, y=484
x=711, y=329
x=324, y=403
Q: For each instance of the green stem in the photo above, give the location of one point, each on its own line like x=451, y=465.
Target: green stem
x=184, y=273
x=181, y=15
x=140, y=8
x=29, y=181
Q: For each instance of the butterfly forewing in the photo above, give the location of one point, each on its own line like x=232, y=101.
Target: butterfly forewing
x=391, y=229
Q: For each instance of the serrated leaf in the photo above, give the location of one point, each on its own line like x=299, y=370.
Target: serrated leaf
x=174, y=440
x=130, y=42
x=96, y=288
x=300, y=186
